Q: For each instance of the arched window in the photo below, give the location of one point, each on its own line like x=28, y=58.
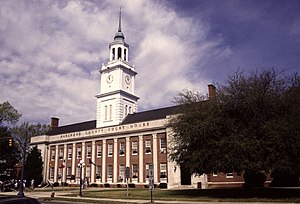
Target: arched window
x=113, y=54
x=119, y=53
x=129, y=111
x=125, y=52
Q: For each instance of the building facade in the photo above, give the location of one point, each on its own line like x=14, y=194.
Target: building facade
x=119, y=138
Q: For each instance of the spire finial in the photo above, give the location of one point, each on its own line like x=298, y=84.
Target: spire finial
x=119, y=29
x=119, y=35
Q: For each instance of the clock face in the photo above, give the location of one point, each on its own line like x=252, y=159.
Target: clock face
x=109, y=79
x=127, y=79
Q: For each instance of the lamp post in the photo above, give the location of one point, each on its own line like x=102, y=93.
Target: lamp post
x=80, y=165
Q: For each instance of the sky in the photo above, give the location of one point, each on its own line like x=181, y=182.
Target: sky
x=51, y=51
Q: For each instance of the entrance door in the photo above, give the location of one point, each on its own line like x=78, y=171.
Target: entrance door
x=185, y=175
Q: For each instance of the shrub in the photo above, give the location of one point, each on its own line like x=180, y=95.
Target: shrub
x=94, y=185
x=254, y=179
x=55, y=184
x=64, y=184
x=163, y=185
x=106, y=185
x=131, y=185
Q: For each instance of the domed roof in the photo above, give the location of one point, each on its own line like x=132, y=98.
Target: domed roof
x=119, y=36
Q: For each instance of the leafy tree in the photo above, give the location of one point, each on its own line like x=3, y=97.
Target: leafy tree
x=23, y=133
x=251, y=126
x=8, y=154
x=8, y=114
x=34, y=166
x=31, y=158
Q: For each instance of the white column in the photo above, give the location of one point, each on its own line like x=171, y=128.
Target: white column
x=56, y=163
x=103, y=176
x=46, y=162
x=83, y=159
x=64, y=170
x=74, y=163
x=116, y=153
x=127, y=154
x=155, y=164
x=141, y=160
x=93, y=160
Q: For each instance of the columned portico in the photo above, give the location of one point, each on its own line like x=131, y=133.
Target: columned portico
x=118, y=126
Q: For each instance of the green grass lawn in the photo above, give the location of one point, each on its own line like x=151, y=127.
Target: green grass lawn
x=236, y=194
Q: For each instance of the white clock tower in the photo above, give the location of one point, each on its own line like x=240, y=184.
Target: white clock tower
x=117, y=98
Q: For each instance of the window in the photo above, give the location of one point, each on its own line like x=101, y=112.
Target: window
x=61, y=153
x=70, y=153
x=134, y=147
x=215, y=174
x=119, y=53
x=148, y=146
x=121, y=173
x=88, y=151
x=99, y=150
x=59, y=173
x=52, y=154
x=129, y=110
x=163, y=143
x=122, y=148
x=125, y=54
x=88, y=172
x=77, y=172
x=51, y=173
x=110, y=171
x=163, y=170
x=135, y=171
x=147, y=170
x=110, y=149
x=105, y=113
x=98, y=172
x=79, y=153
x=69, y=171
x=229, y=175
x=110, y=112
x=113, y=54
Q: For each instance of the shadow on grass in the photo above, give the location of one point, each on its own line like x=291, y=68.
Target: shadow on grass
x=272, y=193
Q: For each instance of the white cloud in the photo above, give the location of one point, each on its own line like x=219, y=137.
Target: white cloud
x=51, y=51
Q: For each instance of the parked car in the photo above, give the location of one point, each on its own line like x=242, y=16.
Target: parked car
x=19, y=200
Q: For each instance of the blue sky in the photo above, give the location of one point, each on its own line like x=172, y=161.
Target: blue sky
x=51, y=51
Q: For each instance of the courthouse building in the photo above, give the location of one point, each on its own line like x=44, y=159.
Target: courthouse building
x=120, y=137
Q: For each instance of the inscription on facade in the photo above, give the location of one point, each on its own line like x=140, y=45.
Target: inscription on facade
x=106, y=130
